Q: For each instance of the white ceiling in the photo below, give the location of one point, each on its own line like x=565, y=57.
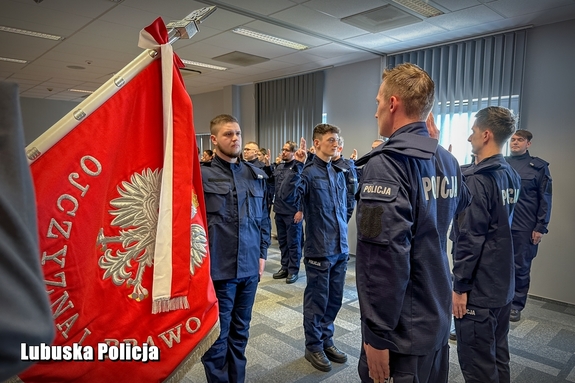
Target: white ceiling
x=102, y=36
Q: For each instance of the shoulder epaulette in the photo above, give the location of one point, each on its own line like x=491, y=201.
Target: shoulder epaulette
x=538, y=163
x=257, y=172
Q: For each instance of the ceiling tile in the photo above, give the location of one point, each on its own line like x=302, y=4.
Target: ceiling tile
x=465, y=18
x=511, y=8
x=343, y=8
x=318, y=22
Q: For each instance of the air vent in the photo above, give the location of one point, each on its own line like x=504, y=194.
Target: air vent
x=381, y=19
x=240, y=59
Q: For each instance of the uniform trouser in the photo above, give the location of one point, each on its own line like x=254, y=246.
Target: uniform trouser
x=225, y=361
x=289, y=239
x=430, y=368
x=524, y=251
x=322, y=299
x=482, y=344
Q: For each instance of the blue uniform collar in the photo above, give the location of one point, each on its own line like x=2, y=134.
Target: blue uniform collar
x=225, y=164
x=487, y=165
x=318, y=161
x=411, y=140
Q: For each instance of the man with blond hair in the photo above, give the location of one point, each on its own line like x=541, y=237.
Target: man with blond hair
x=408, y=194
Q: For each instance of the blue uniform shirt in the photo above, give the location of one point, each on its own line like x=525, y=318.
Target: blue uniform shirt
x=483, y=262
x=321, y=195
x=409, y=192
x=238, y=220
x=533, y=209
x=284, y=200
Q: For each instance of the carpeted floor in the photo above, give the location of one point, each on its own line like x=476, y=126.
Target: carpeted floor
x=542, y=344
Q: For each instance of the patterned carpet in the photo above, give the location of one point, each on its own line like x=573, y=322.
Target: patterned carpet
x=542, y=343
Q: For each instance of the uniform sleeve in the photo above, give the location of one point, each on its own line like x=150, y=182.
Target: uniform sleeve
x=385, y=216
x=545, y=194
x=265, y=225
x=298, y=185
x=351, y=181
x=472, y=228
x=465, y=197
x=26, y=315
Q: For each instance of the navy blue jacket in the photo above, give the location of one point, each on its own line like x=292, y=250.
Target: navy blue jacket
x=483, y=262
x=268, y=169
x=408, y=194
x=321, y=195
x=238, y=220
x=533, y=209
x=285, y=198
x=350, y=181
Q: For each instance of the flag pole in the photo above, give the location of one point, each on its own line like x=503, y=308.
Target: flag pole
x=180, y=29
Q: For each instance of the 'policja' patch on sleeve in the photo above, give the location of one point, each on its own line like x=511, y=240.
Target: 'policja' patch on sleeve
x=385, y=192
x=371, y=208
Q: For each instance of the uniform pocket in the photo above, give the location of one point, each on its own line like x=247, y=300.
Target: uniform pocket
x=216, y=195
x=474, y=328
x=256, y=196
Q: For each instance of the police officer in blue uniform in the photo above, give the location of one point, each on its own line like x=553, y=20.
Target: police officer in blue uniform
x=321, y=198
x=350, y=177
x=531, y=216
x=251, y=154
x=289, y=232
x=483, y=266
x=408, y=194
x=239, y=235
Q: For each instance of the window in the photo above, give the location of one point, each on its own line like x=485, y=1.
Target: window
x=470, y=75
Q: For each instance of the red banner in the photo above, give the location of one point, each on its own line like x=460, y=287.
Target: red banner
x=98, y=192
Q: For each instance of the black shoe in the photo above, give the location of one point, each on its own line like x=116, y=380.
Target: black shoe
x=335, y=354
x=280, y=274
x=515, y=316
x=291, y=278
x=452, y=335
x=318, y=360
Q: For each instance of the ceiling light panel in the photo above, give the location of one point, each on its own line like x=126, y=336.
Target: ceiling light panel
x=420, y=7
x=11, y=60
x=30, y=33
x=270, y=39
x=210, y=66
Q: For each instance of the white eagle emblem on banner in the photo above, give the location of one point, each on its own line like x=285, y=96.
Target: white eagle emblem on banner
x=136, y=214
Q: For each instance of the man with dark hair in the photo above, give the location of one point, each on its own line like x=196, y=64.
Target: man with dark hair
x=207, y=156
x=408, y=194
x=289, y=232
x=239, y=235
x=483, y=266
x=321, y=196
x=532, y=214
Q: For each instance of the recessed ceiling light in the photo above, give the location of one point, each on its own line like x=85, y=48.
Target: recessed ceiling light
x=421, y=7
x=269, y=39
x=13, y=60
x=196, y=63
x=80, y=90
x=30, y=33
x=75, y=67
